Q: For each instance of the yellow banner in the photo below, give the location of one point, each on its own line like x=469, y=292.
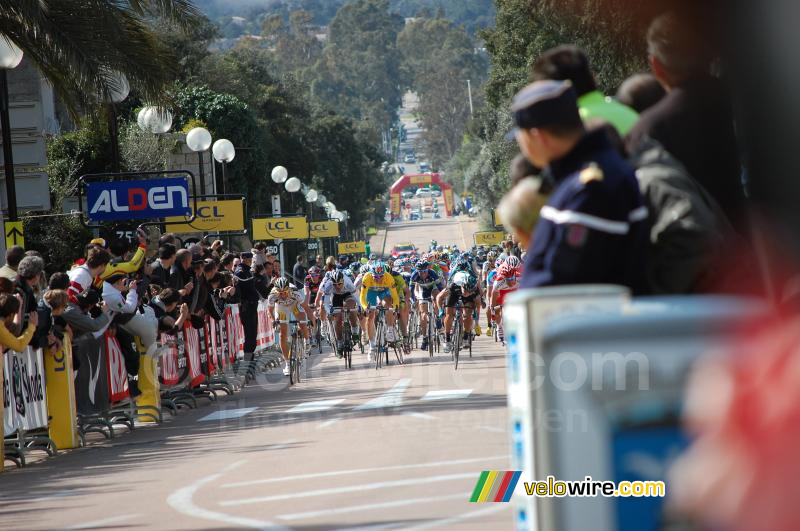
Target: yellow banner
x=497, y=221
x=63, y=426
x=324, y=229
x=448, y=201
x=294, y=228
x=420, y=179
x=395, y=204
x=488, y=238
x=352, y=247
x=213, y=216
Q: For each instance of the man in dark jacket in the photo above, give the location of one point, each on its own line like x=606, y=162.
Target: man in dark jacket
x=249, y=302
x=159, y=274
x=181, y=276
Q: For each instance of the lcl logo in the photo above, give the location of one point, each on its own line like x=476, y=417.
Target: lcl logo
x=208, y=212
x=318, y=227
x=279, y=225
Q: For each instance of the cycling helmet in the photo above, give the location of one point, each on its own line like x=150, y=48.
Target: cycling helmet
x=355, y=267
x=491, y=255
x=314, y=271
x=462, y=264
x=337, y=277
x=282, y=284
x=378, y=269
x=513, y=261
x=373, y=256
x=364, y=269
x=422, y=265
x=472, y=283
x=505, y=270
x=461, y=278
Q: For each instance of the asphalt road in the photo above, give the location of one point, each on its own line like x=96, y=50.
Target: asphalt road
x=399, y=448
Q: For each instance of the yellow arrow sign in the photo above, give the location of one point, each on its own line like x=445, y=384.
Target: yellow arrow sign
x=14, y=234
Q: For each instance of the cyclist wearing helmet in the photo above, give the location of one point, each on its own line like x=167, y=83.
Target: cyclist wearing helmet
x=505, y=282
x=283, y=302
x=341, y=290
x=462, y=287
x=377, y=289
x=312, y=283
x=424, y=287
x=402, y=293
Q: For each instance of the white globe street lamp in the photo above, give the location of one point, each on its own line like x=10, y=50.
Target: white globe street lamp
x=311, y=195
x=293, y=185
x=153, y=119
x=279, y=174
x=321, y=200
x=223, y=152
x=10, y=57
x=199, y=140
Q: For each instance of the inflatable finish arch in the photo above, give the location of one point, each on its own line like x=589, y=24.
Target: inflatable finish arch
x=422, y=179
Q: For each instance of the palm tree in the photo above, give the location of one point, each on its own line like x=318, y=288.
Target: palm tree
x=76, y=44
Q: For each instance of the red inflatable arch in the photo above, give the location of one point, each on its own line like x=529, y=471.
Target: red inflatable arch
x=422, y=179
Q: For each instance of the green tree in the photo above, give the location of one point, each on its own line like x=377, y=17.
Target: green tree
x=76, y=44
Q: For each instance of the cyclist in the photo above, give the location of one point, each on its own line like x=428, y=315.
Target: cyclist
x=433, y=246
x=402, y=293
x=283, y=302
x=340, y=289
x=488, y=267
x=312, y=283
x=462, y=287
x=504, y=283
x=377, y=288
x=424, y=285
x=352, y=271
x=466, y=263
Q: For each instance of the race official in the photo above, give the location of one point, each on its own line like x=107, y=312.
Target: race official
x=593, y=227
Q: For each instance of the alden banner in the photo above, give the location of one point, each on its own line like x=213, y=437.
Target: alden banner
x=324, y=229
x=151, y=199
x=212, y=216
x=294, y=228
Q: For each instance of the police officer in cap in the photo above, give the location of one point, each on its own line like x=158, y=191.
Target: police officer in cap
x=593, y=228
x=249, y=302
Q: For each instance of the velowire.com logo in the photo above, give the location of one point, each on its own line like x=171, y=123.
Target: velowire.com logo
x=494, y=486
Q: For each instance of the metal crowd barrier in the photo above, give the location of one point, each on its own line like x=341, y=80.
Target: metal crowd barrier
x=49, y=406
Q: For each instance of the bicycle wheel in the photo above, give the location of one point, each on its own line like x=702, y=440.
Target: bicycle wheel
x=378, y=343
x=318, y=335
x=292, y=360
x=431, y=332
x=457, y=332
x=300, y=352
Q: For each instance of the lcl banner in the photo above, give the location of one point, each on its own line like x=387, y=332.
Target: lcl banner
x=289, y=228
x=488, y=237
x=324, y=229
x=212, y=216
x=352, y=247
x=150, y=199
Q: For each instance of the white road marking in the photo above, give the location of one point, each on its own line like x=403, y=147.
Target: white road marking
x=495, y=507
x=354, y=488
x=105, y=521
x=391, y=398
x=418, y=415
x=493, y=429
x=365, y=471
x=329, y=423
x=372, y=506
x=226, y=414
x=181, y=501
x=449, y=394
x=320, y=405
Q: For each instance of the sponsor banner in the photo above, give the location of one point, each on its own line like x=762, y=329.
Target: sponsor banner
x=448, y=200
x=212, y=216
x=117, y=375
x=60, y=380
x=352, y=247
x=168, y=368
x=266, y=335
x=394, y=203
x=193, y=361
x=496, y=218
x=488, y=237
x=289, y=228
x=420, y=179
x=24, y=396
x=324, y=229
x=91, y=380
x=235, y=333
x=212, y=341
x=154, y=198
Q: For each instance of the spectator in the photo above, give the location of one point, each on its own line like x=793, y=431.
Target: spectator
x=299, y=271
x=48, y=332
x=78, y=314
x=81, y=277
x=121, y=309
x=164, y=306
x=521, y=168
x=519, y=209
x=29, y=273
x=259, y=256
x=58, y=280
x=227, y=262
x=263, y=282
x=159, y=273
x=569, y=63
x=249, y=303
x=330, y=264
x=118, y=249
x=276, y=269
x=13, y=256
x=694, y=121
x=592, y=229
x=9, y=306
x=640, y=92
x=181, y=277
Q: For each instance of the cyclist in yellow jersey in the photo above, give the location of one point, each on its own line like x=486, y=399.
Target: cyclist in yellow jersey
x=378, y=289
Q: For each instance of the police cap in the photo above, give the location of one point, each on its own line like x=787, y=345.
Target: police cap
x=545, y=103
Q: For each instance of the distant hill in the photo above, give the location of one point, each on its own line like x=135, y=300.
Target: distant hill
x=241, y=17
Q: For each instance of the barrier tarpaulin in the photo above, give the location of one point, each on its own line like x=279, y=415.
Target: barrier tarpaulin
x=168, y=373
x=193, y=359
x=266, y=335
x=24, y=396
x=117, y=375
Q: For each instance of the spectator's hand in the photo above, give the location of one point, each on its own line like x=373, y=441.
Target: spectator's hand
x=104, y=307
x=189, y=287
x=132, y=285
x=21, y=300
x=184, y=309
x=68, y=332
x=141, y=235
x=217, y=244
x=33, y=319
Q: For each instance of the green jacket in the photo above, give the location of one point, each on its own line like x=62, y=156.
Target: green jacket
x=595, y=105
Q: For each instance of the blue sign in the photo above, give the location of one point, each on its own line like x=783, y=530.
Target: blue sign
x=154, y=198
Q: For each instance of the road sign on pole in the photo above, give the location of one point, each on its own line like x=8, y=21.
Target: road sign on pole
x=14, y=234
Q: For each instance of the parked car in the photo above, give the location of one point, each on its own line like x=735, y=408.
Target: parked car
x=424, y=167
x=427, y=208
x=436, y=192
x=408, y=195
x=415, y=215
x=410, y=159
x=423, y=192
x=403, y=249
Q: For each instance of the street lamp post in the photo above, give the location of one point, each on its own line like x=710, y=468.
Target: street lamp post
x=279, y=175
x=118, y=90
x=223, y=152
x=10, y=57
x=292, y=186
x=199, y=140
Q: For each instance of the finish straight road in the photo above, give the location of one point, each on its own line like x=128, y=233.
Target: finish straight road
x=399, y=448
